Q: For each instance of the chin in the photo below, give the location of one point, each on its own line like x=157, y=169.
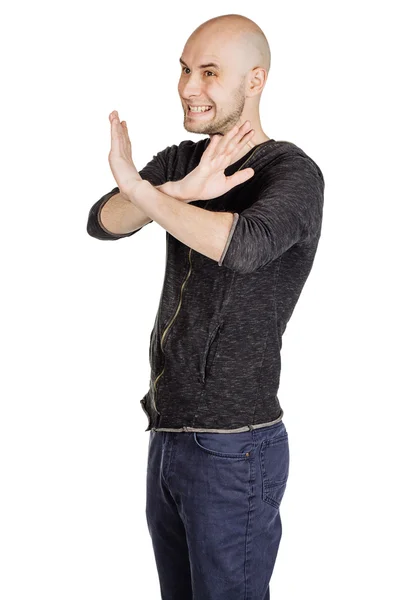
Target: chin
x=192, y=128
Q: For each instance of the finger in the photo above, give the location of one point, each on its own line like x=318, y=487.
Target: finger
x=119, y=130
x=225, y=139
x=126, y=135
x=239, y=177
x=228, y=146
x=114, y=116
x=120, y=143
x=237, y=144
x=125, y=126
x=210, y=151
x=115, y=127
x=241, y=138
x=218, y=143
x=241, y=142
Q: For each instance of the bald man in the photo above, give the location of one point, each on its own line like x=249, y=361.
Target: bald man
x=242, y=214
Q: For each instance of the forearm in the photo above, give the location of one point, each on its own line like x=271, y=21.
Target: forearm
x=119, y=215
x=203, y=230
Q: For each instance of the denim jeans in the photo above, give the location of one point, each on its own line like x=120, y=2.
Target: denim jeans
x=213, y=511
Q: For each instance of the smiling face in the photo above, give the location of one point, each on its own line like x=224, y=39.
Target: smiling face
x=224, y=64
x=208, y=80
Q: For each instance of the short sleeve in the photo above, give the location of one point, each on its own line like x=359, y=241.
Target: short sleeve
x=288, y=210
x=155, y=172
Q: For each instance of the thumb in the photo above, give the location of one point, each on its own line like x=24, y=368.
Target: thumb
x=239, y=177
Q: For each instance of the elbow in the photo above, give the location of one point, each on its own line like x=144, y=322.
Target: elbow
x=93, y=227
x=230, y=226
x=242, y=254
x=93, y=231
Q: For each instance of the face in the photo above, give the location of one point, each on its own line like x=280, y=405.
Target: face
x=204, y=84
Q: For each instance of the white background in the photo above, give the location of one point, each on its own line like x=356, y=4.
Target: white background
x=77, y=312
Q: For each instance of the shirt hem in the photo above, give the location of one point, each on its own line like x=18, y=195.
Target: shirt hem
x=228, y=241
x=212, y=430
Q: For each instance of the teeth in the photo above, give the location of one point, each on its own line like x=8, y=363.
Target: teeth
x=199, y=108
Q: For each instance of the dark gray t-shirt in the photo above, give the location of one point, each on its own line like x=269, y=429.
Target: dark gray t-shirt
x=215, y=345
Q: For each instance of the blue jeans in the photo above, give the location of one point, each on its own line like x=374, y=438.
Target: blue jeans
x=212, y=509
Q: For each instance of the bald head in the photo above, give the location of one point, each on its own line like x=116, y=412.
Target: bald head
x=239, y=35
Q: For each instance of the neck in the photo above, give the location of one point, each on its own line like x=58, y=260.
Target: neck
x=250, y=144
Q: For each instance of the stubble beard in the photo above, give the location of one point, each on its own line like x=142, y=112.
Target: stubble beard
x=221, y=125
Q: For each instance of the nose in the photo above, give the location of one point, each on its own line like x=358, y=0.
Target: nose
x=190, y=88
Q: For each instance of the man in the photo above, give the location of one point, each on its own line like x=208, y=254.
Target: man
x=242, y=214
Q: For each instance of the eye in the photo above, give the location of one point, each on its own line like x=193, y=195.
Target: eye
x=187, y=68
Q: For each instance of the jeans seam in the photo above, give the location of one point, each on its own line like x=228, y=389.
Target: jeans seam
x=249, y=524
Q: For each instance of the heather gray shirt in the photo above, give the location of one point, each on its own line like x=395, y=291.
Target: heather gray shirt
x=215, y=346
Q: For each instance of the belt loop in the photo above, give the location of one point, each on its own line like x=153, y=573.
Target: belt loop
x=251, y=427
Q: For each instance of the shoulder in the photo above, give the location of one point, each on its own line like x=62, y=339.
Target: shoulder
x=285, y=154
x=184, y=156
x=185, y=148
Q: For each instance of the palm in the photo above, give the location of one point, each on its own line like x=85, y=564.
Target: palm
x=208, y=179
x=212, y=183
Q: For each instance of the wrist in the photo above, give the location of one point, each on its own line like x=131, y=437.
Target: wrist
x=174, y=189
x=136, y=189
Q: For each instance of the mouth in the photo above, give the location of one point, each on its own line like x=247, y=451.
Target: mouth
x=198, y=114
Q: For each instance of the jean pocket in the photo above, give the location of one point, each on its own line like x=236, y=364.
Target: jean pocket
x=225, y=445
x=274, y=460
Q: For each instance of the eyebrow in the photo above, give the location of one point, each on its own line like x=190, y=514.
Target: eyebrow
x=211, y=64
